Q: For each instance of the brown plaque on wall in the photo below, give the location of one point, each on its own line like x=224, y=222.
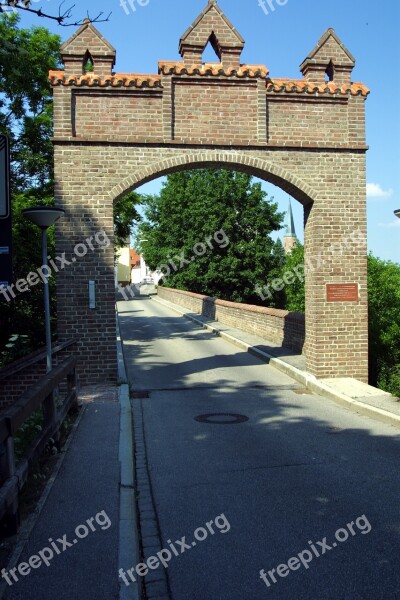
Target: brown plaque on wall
x=342, y=292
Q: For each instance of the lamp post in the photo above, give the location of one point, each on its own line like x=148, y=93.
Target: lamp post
x=44, y=217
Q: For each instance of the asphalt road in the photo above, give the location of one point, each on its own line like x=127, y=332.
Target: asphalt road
x=301, y=479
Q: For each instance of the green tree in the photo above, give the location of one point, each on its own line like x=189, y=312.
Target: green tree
x=384, y=323
x=125, y=216
x=294, y=293
x=279, y=253
x=26, y=55
x=193, y=206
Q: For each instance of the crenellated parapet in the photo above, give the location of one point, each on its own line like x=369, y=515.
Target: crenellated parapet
x=190, y=101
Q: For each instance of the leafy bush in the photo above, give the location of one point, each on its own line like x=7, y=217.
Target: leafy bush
x=384, y=324
x=18, y=346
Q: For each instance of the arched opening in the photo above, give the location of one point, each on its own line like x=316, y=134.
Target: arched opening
x=275, y=182
x=211, y=52
x=330, y=72
x=87, y=63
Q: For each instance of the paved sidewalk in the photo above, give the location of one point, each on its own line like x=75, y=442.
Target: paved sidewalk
x=87, y=487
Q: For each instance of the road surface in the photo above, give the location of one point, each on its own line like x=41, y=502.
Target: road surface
x=303, y=492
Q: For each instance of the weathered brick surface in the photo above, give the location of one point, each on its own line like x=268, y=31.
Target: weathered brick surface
x=302, y=122
x=100, y=114
x=278, y=326
x=115, y=132
x=228, y=109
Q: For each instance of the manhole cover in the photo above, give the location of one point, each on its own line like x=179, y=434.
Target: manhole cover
x=221, y=418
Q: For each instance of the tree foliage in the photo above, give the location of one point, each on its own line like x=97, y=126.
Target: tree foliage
x=26, y=55
x=384, y=323
x=294, y=293
x=193, y=206
x=125, y=216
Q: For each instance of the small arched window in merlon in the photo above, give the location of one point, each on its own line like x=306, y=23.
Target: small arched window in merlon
x=330, y=72
x=87, y=63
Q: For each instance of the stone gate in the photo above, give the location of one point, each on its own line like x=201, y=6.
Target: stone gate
x=114, y=132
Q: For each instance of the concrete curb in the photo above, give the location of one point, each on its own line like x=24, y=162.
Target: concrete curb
x=136, y=504
x=128, y=552
x=309, y=381
x=122, y=377
x=156, y=581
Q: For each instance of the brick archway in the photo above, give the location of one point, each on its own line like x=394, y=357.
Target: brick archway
x=257, y=167
x=116, y=131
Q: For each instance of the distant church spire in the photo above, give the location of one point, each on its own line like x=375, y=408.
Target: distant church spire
x=290, y=238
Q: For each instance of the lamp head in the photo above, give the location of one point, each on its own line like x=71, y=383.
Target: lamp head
x=43, y=216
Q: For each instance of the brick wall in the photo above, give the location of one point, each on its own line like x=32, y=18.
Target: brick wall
x=229, y=110
x=279, y=326
x=100, y=114
x=304, y=122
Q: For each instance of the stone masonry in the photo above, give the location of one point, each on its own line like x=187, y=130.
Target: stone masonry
x=114, y=132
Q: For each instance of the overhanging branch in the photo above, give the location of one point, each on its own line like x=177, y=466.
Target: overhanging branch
x=63, y=18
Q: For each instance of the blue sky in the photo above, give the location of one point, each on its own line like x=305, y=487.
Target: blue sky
x=281, y=40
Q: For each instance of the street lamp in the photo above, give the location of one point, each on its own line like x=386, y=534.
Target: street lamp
x=44, y=217
x=397, y=213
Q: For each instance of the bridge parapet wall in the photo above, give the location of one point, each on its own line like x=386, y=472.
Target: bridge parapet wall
x=279, y=326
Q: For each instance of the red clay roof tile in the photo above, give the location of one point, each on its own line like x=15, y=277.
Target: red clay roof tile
x=167, y=67
x=303, y=86
x=115, y=80
x=278, y=86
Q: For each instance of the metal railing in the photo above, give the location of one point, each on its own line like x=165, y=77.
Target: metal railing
x=13, y=476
